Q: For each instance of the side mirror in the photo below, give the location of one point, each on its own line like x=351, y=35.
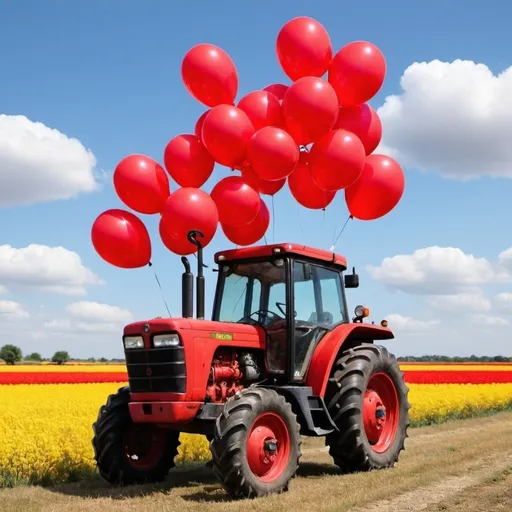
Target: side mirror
x=352, y=280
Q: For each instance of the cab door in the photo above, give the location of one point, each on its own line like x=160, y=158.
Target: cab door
x=319, y=305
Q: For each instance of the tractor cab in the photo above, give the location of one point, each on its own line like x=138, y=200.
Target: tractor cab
x=295, y=293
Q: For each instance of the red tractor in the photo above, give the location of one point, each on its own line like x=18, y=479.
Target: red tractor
x=280, y=359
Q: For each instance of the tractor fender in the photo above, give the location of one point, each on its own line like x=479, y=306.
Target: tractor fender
x=330, y=345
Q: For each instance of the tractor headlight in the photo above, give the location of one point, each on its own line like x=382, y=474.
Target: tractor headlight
x=361, y=312
x=166, y=340
x=133, y=342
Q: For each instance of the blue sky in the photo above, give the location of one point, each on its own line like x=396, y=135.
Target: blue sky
x=108, y=74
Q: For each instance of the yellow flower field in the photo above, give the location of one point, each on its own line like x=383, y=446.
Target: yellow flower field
x=47, y=429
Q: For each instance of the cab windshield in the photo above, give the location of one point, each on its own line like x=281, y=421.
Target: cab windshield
x=253, y=287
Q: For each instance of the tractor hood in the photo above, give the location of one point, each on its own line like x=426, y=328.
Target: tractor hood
x=216, y=330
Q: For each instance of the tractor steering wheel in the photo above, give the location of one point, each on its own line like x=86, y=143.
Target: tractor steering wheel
x=262, y=313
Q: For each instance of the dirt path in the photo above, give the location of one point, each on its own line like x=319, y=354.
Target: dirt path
x=442, y=495
x=450, y=467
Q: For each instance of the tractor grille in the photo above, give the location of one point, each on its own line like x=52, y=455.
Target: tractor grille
x=158, y=370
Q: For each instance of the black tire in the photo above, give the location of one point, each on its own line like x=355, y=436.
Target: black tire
x=113, y=464
x=350, y=447
x=229, y=445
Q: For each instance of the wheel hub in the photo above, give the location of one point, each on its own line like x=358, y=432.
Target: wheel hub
x=381, y=411
x=374, y=414
x=268, y=447
x=143, y=445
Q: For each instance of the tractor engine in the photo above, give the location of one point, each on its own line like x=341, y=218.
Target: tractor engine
x=230, y=372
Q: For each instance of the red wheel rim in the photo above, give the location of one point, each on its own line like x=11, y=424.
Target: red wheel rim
x=380, y=412
x=268, y=447
x=143, y=445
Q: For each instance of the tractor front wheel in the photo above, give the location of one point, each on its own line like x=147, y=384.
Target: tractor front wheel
x=128, y=453
x=256, y=444
x=368, y=400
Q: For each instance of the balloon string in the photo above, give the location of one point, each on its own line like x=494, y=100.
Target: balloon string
x=300, y=223
x=342, y=229
x=273, y=222
x=161, y=290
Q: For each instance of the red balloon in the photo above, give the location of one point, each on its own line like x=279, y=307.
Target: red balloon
x=272, y=153
x=364, y=122
x=237, y=202
x=336, y=160
x=121, y=239
x=266, y=187
x=225, y=133
x=278, y=90
x=188, y=161
x=262, y=108
x=186, y=210
x=378, y=190
x=304, y=48
x=239, y=165
x=141, y=183
x=305, y=191
x=357, y=73
x=310, y=109
x=210, y=75
x=199, y=125
x=252, y=232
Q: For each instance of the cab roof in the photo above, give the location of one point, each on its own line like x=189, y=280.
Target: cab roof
x=261, y=251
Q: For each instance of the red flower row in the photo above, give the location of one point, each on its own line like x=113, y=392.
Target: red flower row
x=412, y=377
x=457, y=377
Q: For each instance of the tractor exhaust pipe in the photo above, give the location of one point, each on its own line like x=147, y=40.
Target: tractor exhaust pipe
x=187, y=290
x=200, y=282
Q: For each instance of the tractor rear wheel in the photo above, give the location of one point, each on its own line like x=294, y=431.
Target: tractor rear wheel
x=128, y=453
x=256, y=444
x=368, y=400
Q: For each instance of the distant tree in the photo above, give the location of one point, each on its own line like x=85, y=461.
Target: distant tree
x=91, y=360
x=103, y=360
x=35, y=356
x=11, y=354
x=60, y=357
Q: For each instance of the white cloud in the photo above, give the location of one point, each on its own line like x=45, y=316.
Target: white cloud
x=3, y=290
x=58, y=324
x=90, y=317
x=410, y=325
x=43, y=268
x=460, y=303
x=504, y=300
x=68, y=326
x=40, y=164
x=491, y=321
x=10, y=310
x=99, y=312
x=436, y=271
x=452, y=118
x=505, y=259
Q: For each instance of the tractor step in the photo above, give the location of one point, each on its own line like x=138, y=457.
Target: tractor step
x=311, y=411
